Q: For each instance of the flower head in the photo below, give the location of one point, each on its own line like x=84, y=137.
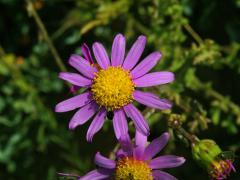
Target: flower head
x=111, y=85
x=209, y=155
x=136, y=161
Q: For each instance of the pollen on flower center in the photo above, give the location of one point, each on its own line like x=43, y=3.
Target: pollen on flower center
x=112, y=88
x=130, y=168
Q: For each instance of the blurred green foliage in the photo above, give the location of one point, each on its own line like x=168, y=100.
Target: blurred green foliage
x=200, y=43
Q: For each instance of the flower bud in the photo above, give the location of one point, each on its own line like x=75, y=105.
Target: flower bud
x=209, y=155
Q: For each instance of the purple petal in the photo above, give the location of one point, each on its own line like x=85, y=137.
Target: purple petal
x=126, y=144
x=87, y=53
x=135, y=53
x=146, y=65
x=160, y=175
x=120, y=154
x=167, y=161
x=154, y=79
x=83, y=115
x=101, y=55
x=104, y=162
x=74, y=102
x=151, y=100
x=96, y=124
x=156, y=146
x=120, y=123
x=98, y=174
x=82, y=66
x=75, y=79
x=118, y=50
x=140, y=141
x=138, y=120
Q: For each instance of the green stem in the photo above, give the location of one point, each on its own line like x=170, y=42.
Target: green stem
x=192, y=138
x=193, y=33
x=31, y=10
x=175, y=122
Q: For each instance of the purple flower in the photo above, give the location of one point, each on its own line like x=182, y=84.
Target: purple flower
x=111, y=86
x=136, y=161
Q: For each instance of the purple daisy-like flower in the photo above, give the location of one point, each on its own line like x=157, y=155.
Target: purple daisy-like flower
x=136, y=161
x=111, y=86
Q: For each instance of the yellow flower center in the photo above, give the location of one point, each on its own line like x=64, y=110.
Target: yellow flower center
x=132, y=169
x=112, y=88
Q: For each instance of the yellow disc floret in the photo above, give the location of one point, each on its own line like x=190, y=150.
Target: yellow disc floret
x=129, y=168
x=112, y=88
